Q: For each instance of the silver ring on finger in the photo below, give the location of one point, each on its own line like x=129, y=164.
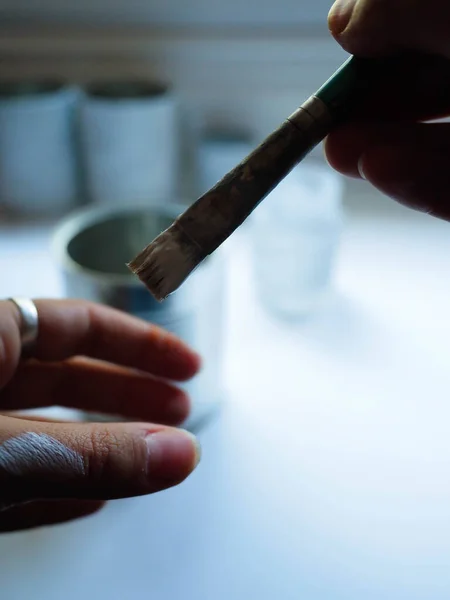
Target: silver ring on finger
x=29, y=324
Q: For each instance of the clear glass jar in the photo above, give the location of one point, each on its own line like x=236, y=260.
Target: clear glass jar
x=295, y=236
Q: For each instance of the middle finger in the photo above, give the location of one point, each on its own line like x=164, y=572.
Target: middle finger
x=91, y=385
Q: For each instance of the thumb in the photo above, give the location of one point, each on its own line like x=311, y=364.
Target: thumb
x=408, y=162
x=416, y=177
x=371, y=27
x=90, y=461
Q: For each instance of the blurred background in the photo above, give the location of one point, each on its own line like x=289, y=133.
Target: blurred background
x=323, y=405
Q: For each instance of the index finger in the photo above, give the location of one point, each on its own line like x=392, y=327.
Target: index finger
x=78, y=328
x=374, y=27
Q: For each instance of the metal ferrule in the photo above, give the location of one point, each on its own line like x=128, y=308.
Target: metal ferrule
x=312, y=118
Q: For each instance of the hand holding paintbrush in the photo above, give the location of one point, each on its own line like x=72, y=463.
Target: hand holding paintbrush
x=172, y=256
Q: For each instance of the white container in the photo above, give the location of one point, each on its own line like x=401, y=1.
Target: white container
x=129, y=138
x=295, y=236
x=38, y=173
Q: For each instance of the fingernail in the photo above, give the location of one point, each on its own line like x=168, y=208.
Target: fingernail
x=340, y=15
x=361, y=168
x=172, y=454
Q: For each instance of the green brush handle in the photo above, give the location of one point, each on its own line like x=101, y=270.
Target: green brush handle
x=349, y=84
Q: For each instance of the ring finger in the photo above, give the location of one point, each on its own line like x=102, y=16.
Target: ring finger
x=92, y=385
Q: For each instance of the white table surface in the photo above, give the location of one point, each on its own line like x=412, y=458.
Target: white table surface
x=327, y=475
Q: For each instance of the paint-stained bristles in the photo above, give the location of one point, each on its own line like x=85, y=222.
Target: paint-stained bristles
x=165, y=263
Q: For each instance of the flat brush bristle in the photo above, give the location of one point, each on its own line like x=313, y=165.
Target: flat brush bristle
x=165, y=263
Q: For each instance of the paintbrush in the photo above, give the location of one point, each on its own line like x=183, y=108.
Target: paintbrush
x=165, y=263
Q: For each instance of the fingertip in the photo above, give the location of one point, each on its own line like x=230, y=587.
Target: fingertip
x=379, y=164
x=342, y=151
x=362, y=165
x=414, y=177
x=339, y=16
x=172, y=456
x=166, y=355
x=177, y=409
x=185, y=362
x=362, y=27
x=195, y=363
x=175, y=352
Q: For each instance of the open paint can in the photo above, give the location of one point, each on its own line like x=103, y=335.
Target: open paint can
x=93, y=247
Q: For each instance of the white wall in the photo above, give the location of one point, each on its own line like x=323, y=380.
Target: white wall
x=174, y=12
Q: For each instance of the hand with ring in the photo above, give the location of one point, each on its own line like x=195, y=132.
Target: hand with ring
x=85, y=356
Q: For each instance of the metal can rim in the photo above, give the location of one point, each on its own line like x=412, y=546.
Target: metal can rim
x=76, y=222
